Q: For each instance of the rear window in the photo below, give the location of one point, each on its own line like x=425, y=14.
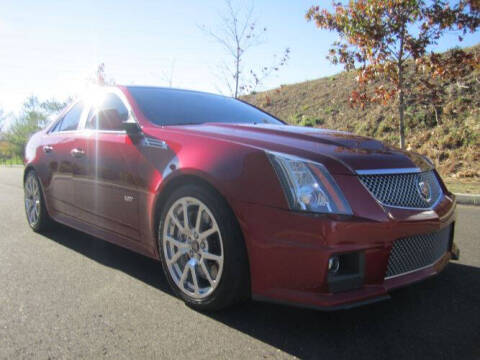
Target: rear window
x=180, y=107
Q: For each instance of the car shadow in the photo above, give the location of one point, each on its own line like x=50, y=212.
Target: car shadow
x=138, y=266
x=436, y=319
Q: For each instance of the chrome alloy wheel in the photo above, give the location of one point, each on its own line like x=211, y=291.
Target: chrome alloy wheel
x=193, y=247
x=32, y=200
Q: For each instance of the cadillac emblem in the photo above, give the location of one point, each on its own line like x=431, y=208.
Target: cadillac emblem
x=424, y=190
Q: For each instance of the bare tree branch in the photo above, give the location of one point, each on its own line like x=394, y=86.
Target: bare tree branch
x=167, y=76
x=238, y=32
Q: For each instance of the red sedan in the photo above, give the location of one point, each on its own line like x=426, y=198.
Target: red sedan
x=237, y=204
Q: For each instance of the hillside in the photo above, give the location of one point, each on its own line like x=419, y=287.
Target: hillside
x=453, y=144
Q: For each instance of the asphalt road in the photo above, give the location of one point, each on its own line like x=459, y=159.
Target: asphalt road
x=69, y=295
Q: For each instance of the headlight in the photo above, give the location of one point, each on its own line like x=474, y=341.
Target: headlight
x=308, y=186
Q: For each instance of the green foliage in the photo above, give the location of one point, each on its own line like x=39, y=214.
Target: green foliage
x=53, y=106
x=385, y=127
x=2, y=120
x=330, y=110
x=33, y=116
x=8, y=161
x=303, y=120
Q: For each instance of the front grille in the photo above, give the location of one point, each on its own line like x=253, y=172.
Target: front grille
x=417, y=251
x=411, y=190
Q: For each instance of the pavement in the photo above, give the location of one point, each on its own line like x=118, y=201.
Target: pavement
x=69, y=295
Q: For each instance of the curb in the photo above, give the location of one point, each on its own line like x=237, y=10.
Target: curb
x=468, y=199
x=12, y=166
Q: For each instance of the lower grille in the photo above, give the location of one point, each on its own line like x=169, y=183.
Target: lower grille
x=417, y=251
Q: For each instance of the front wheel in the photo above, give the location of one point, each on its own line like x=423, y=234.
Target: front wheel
x=202, y=250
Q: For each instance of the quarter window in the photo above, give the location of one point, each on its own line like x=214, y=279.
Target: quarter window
x=56, y=127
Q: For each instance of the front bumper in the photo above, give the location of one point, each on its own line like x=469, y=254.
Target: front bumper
x=289, y=251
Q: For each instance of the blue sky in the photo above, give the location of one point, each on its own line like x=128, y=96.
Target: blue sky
x=50, y=48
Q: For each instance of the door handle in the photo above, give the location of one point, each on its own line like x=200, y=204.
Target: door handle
x=77, y=153
x=47, y=149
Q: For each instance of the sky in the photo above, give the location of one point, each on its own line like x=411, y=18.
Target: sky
x=51, y=48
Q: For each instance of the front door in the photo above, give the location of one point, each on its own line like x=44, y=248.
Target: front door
x=105, y=187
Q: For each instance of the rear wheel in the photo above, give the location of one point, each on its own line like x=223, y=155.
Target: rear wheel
x=202, y=250
x=35, y=209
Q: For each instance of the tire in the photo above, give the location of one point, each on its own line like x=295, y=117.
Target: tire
x=206, y=263
x=35, y=210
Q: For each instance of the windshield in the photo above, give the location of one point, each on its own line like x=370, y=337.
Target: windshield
x=180, y=107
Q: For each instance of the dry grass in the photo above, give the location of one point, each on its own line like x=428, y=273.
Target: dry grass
x=454, y=144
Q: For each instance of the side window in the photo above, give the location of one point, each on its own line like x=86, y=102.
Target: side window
x=56, y=127
x=109, y=115
x=71, y=119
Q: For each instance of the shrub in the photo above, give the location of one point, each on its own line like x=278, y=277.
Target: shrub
x=304, y=120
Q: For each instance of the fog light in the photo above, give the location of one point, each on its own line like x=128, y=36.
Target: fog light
x=333, y=264
x=346, y=271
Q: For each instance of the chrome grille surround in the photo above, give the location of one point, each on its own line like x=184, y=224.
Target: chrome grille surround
x=416, y=252
x=403, y=188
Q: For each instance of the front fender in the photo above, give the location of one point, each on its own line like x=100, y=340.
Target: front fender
x=237, y=172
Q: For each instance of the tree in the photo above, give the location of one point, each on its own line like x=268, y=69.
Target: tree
x=378, y=37
x=33, y=116
x=4, y=148
x=437, y=72
x=101, y=78
x=238, y=32
x=2, y=120
x=167, y=76
x=52, y=107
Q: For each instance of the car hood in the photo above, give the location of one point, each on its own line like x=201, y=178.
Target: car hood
x=340, y=152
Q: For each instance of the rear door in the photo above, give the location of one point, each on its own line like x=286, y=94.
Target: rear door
x=105, y=187
x=59, y=148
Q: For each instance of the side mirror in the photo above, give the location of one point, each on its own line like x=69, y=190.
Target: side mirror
x=131, y=127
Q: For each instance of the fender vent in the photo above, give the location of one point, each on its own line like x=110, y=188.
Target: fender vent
x=152, y=142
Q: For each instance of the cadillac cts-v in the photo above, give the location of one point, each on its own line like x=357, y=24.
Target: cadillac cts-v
x=235, y=203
